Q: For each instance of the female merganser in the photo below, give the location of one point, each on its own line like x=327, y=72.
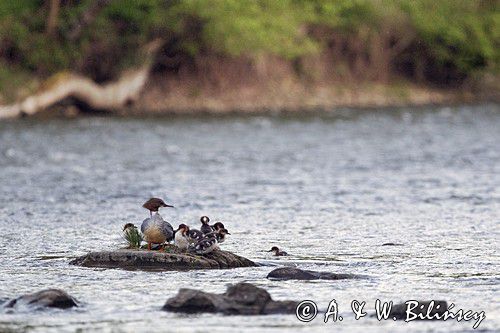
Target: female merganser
x=277, y=251
x=156, y=230
x=181, y=237
x=220, y=235
x=205, y=227
x=154, y=204
x=206, y=245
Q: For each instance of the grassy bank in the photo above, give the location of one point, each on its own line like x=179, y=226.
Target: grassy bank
x=245, y=54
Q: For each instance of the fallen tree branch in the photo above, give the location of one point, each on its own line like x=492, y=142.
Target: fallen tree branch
x=110, y=96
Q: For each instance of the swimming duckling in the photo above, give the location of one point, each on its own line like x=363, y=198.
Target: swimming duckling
x=277, y=251
x=156, y=230
x=220, y=235
x=181, y=237
x=154, y=204
x=205, y=227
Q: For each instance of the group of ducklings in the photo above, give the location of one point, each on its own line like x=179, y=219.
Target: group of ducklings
x=155, y=230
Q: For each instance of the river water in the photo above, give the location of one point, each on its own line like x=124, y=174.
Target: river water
x=330, y=190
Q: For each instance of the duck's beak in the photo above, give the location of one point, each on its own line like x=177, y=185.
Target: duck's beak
x=228, y=233
x=169, y=206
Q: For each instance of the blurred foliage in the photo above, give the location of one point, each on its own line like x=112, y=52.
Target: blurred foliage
x=460, y=36
x=133, y=238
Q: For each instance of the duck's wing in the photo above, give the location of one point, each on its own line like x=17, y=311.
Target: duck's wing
x=145, y=224
x=167, y=230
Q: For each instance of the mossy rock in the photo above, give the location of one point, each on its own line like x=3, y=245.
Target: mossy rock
x=166, y=260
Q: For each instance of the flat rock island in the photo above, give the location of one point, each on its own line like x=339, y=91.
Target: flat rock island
x=170, y=259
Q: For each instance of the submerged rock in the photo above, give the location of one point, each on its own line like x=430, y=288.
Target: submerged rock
x=239, y=299
x=170, y=259
x=48, y=298
x=292, y=273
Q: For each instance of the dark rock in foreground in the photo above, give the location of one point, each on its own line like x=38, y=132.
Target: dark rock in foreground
x=239, y=299
x=48, y=298
x=399, y=310
x=171, y=259
x=292, y=273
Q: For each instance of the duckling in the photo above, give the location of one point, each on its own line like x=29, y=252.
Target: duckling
x=131, y=235
x=206, y=245
x=195, y=235
x=156, y=230
x=128, y=228
x=154, y=204
x=205, y=227
x=277, y=251
x=220, y=235
x=217, y=225
x=181, y=238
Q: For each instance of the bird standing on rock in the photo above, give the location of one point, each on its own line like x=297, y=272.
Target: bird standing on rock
x=220, y=235
x=156, y=230
x=154, y=204
x=128, y=227
x=205, y=227
x=206, y=245
x=217, y=226
x=181, y=238
x=132, y=235
x=195, y=235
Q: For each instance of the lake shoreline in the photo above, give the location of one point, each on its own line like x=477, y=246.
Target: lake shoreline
x=321, y=99
x=182, y=96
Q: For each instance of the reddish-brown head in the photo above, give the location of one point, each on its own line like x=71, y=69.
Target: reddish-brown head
x=183, y=228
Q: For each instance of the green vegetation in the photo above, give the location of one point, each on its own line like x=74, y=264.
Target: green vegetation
x=426, y=40
x=133, y=237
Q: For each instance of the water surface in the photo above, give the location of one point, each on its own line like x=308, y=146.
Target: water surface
x=330, y=190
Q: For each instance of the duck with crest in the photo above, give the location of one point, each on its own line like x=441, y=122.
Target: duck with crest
x=154, y=204
x=155, y=229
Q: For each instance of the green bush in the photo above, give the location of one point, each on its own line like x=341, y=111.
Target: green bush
x=460, y=36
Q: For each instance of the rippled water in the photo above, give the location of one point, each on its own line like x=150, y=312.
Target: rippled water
x=330, y=190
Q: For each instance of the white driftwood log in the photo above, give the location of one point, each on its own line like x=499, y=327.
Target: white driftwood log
x=109, y=96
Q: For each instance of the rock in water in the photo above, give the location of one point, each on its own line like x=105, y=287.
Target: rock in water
x=171, y=259
x=239, y=299
x=292, y=273
x=48, y=298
